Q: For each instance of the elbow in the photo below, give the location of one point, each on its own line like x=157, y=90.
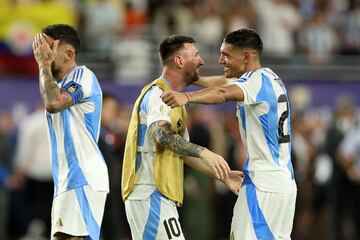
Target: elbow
x=166, y=140
x=163, y=142
x=51, y=108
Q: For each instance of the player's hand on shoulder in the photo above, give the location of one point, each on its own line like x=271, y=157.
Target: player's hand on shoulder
x=216, y=162
x=174, y=99
x=234, y=181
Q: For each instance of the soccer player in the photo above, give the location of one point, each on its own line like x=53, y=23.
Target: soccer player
x=73, y=100
x=266, y=202
x=157, y=146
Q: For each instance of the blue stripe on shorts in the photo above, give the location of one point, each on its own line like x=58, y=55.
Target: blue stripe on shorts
x=91, y=224
x=260, y=225
x=152, y=224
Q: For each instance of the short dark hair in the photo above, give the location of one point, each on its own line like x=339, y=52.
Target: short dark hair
x=171, y=44
x=64, y=33
x=245, y=38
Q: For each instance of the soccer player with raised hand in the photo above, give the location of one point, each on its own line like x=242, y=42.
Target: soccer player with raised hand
x=73, y=100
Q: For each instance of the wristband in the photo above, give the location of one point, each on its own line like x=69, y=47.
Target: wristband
x=187, y=96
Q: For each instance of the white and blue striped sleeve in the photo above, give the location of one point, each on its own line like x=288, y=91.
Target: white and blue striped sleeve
x=158, y=110
x=80, y=85
x=250, y=84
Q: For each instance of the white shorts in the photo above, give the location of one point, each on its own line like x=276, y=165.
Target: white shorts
x=262, y=215
x=78, y=212
x=153, y=218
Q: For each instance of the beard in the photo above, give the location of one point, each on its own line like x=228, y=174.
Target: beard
x=189, y=79
x=54, y=71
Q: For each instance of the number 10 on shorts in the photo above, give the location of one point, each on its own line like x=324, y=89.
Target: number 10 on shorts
x=172, y=227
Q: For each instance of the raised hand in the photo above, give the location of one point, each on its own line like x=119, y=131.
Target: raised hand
x=175, y=99
x=44, y=54
x=216, y=163
x=234, y=181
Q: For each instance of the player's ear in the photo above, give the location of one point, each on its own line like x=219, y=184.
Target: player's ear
x=179, y=61
x=247, y=57
x=69, y=53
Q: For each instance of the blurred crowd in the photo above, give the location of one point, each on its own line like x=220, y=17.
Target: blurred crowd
x=131, y=29
x=326, y=157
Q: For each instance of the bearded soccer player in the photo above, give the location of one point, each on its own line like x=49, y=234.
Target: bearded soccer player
x=73, y=100
x=157, y=146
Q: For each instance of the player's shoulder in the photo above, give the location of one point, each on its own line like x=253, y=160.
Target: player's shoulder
x=156, y=90
x=86, y=69
x=269, y=73
x=152, y=93
x=264, y=72
x=261, y=74
x=83, y=73
x=250, y=75
x=86, y=73
x=77, y=74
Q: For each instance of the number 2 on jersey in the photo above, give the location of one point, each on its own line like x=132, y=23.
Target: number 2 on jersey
x=282, y=100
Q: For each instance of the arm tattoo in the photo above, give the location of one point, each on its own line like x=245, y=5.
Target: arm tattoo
x=48, y=88
x=169, y=139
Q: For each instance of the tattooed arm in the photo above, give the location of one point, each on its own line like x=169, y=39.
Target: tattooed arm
x=54, y=98
x=161, y=130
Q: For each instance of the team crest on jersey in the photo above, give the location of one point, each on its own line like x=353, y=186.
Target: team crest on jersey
x=72, y=88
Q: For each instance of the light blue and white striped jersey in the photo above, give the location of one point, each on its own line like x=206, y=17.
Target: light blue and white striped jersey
x=74, y=133
x=264, y=123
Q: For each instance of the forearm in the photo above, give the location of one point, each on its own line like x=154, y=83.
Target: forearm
x=210, y=81
x=161, y=130
x=49, y=91
x=198, y=165
x=212, y=95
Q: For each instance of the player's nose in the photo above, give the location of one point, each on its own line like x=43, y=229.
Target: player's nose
x=221, y=59
x=201, y=61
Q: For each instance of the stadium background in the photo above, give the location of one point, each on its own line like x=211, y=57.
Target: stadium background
x=314, y=46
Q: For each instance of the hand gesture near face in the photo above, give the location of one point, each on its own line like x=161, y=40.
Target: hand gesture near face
x=44, y=54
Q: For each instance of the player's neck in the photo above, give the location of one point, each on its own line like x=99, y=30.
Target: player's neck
x=252, y=66
x=175, y=80
x=65, y=70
